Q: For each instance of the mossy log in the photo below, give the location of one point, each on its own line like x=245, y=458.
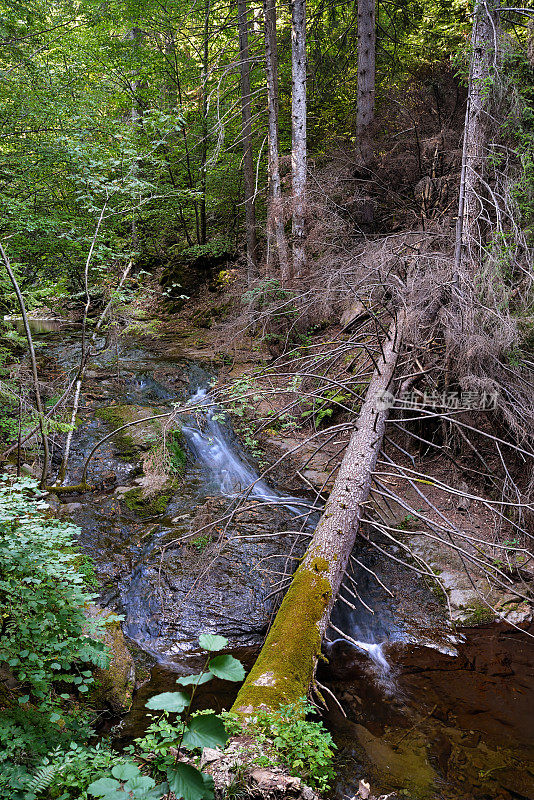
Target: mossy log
x=285, y=668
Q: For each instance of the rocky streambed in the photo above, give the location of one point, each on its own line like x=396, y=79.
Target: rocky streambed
x=429, y=710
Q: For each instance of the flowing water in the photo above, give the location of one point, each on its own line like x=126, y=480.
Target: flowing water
x=425, y=709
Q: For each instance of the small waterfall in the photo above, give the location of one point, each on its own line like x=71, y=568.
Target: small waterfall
x=226, y=466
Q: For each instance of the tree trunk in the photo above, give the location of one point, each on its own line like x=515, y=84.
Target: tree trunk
x=366, y=78
x=484, y=55
x=35, y=375
x=275, y=221
x=136, y=36
x=286, y=665
x=204, y=117
x=248, y=160
x=298, y=133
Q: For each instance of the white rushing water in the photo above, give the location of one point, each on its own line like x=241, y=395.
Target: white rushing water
x=226, y=466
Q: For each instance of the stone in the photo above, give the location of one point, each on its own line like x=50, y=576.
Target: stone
x=70, y=508
x=113, y=685
x=210, y=754
x=351, y=314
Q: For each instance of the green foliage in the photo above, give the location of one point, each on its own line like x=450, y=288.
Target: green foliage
x=265, y=293
x=194, y=731
x=27, y=736
x=44, y=639
x=178, y=455
x=201, y=542
x=42, y=597
x=65, y=773
x=127, y=782
x=325, y=406
x=214, y=249
x=303, y=746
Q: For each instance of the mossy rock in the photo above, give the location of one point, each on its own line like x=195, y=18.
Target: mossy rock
x=476, y=614
x=114, y=685
x=140, y=437
x=144, y=505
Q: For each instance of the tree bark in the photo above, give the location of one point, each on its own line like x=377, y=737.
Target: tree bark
x=204, y=117
x=246, y=133
x=470, y=231
x=298, y=133
x=135, y=35
x=366, y=78
x=275, y=221
x=286, y=665
x=35, y=375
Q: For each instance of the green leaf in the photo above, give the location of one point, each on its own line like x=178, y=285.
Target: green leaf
x=169, y=701
x=54, y=717
x=212, y=642
x=103, y=787
x=188, y=783
x=197, y=680
x=125, y=772
x=24, y=699
x=140, y=786
x=227, y=668
x=206, y=730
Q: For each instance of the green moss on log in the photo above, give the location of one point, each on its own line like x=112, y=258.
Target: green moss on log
x=284, y=669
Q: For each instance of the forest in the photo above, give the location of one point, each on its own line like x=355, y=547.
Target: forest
x=266, y=400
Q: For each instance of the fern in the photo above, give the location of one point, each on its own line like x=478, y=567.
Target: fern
x=44, y=777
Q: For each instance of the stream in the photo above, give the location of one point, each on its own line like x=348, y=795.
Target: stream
x=429, y=712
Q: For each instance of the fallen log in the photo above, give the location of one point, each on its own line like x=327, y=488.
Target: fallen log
x=285, y=667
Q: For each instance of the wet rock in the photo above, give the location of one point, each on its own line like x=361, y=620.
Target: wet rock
x=53, y=502
x=146, y=502
x=70, y=508
x=114, y=685
x=221, y=580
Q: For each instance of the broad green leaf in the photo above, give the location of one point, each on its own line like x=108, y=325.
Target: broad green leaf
x=157, y=792
x=187, y=782
x=197, y=680
x=212, y=642
x=103, y=787
x=206, y=730
x=169, y=701
x=140, y=786
x=125, y=772
x=227, y=667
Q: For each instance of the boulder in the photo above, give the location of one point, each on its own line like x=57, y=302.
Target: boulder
x=114, y=685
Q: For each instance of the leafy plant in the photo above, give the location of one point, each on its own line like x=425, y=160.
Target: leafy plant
x=127, y=782
x=193, y=731
x=43, y=639
x=326, y=405
x=65, y=773
x=289, y=738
